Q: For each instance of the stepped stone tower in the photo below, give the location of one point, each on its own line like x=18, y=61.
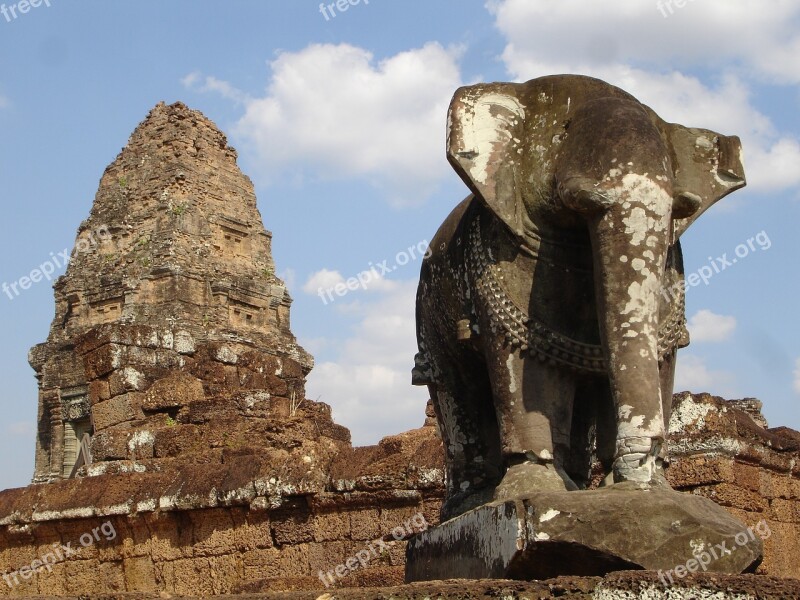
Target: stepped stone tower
x=170, y=316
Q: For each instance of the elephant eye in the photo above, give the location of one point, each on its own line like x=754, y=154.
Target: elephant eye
x=685, y=204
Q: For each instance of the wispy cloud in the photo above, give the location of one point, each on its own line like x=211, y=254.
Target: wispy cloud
x=706, y=326
x=692, y=374
x=23, y=429
x=198, y=82
x=368, y=381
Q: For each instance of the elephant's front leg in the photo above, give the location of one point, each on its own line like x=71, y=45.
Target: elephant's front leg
x=533, y=402
x=616, y=171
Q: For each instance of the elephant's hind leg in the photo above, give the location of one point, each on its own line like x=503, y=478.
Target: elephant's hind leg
x=594, y=431
x=469, y=432
x=534, y=412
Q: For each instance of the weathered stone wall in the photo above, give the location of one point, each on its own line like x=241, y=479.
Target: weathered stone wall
x=213, y=528
x=218, y=550
x=244, y=525
x=721, y=451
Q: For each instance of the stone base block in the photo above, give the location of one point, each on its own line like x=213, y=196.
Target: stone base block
x=585, y=533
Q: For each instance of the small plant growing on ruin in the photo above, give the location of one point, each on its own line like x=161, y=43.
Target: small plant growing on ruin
x=170, y=422
x=294, y=403
x=123, y=182
x=179, y=209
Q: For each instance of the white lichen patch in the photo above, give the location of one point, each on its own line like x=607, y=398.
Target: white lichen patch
x=512, y=379
x=689, y=415
x=132, y=379
x=139, y=439
x=549, y=515
x=703, y=142
x=149, y=505
x=636, y=428
x=642, y=300
x=96, y=469
x=697, y=545
x=184, y=342
x=167, y=339
x=486, y=122
x=226, y=354
x=116, y=509
x=608, y=591
x=430, y=476
x=79, y=512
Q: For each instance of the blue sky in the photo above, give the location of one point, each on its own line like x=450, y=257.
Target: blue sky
x=340, y=124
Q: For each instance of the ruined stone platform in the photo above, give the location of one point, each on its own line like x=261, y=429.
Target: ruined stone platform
x=628, y=585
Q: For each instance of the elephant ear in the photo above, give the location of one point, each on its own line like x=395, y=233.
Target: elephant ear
x=484, y=146
x=707, y=166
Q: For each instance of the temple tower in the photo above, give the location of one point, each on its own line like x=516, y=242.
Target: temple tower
x=170, y=301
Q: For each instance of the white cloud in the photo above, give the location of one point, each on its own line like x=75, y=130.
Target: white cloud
x=797, y=376
x=335, y=110
x=692, y=374
x=332, y=285
x=705, y=326
x=763, y=39
x=324, y=279
x=289, y=277
x=632, y=46
x=197, y=82
x=23, y=429
x=368, y=383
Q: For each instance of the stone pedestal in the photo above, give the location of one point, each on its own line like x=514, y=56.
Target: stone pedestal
x=594, y=532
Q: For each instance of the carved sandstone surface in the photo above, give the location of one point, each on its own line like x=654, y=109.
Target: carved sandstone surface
x=171, y=338
x=591, y=532
x=543, y=289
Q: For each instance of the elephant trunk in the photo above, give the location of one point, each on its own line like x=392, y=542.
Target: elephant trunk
x=630, y=242
x=616, y=172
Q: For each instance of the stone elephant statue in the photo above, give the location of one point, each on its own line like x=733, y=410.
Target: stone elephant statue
x=551, y=304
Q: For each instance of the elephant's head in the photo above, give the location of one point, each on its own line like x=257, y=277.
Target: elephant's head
x=506, y=141
x=571, y=147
